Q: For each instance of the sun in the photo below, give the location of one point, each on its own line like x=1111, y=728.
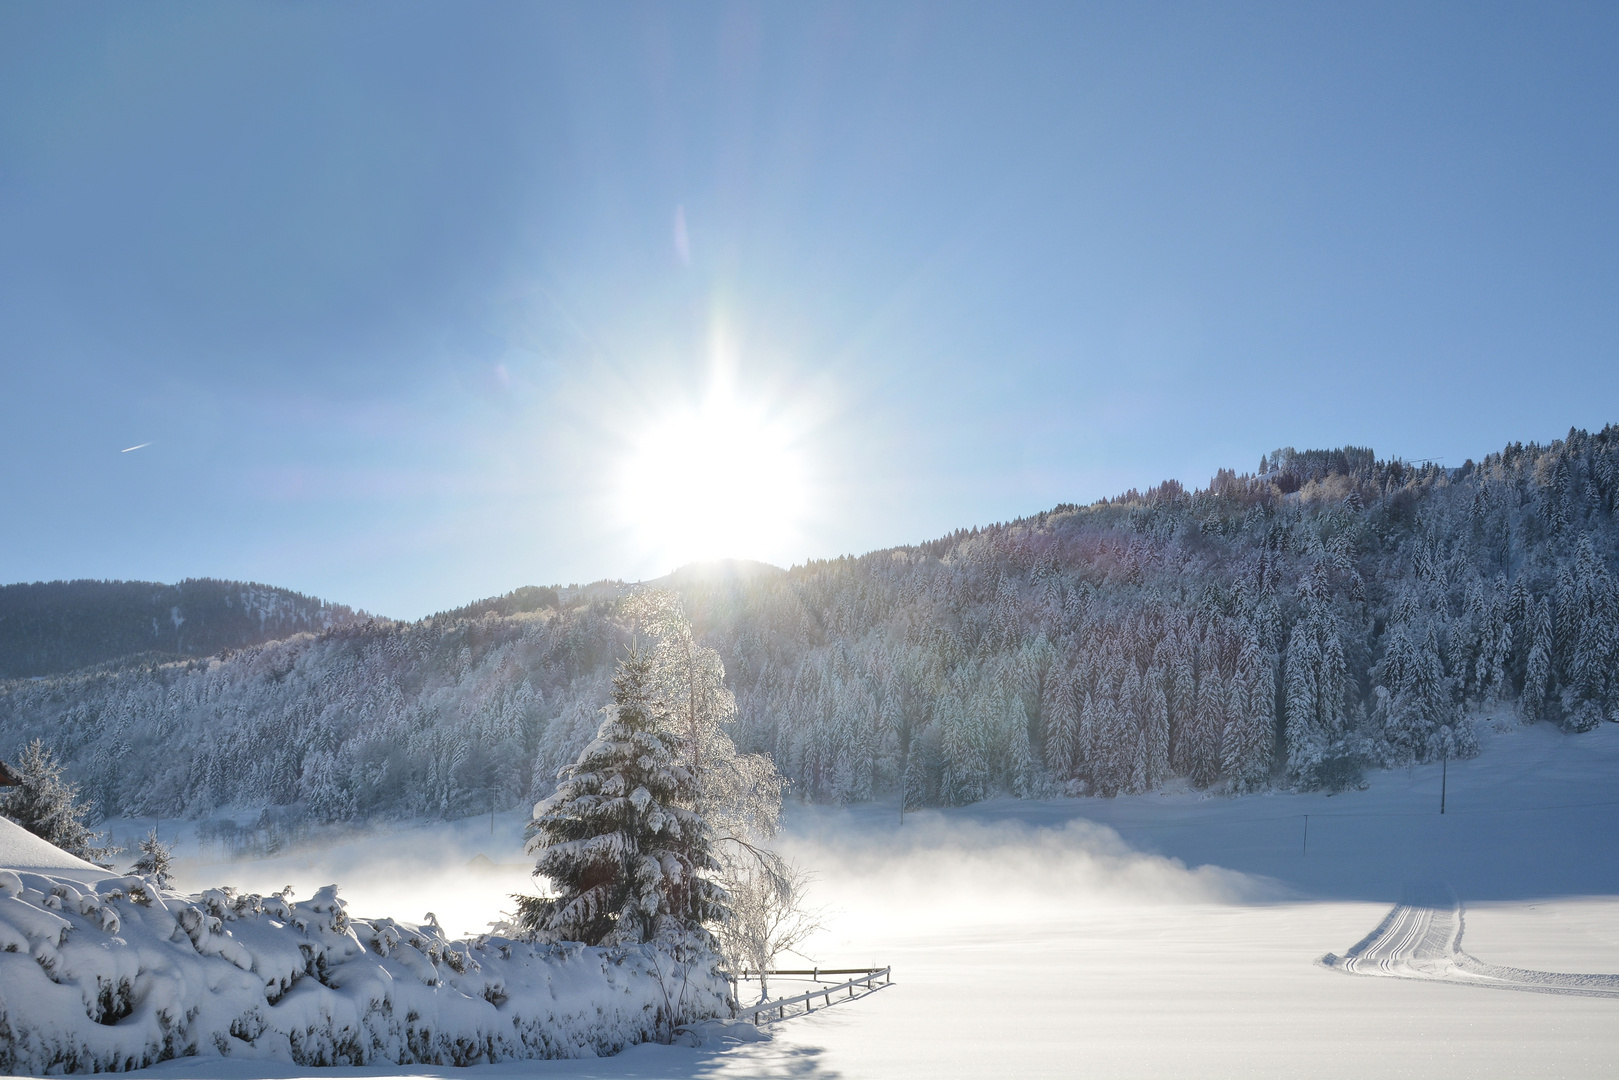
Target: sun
x=721, y=478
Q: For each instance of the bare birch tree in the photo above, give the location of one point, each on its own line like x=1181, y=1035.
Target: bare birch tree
x=741, y=793
x=769, y=916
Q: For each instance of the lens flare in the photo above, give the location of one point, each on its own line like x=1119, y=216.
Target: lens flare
x=722, y=478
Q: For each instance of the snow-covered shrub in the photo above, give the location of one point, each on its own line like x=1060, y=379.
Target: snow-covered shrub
x=119, y=973
x=155, y=860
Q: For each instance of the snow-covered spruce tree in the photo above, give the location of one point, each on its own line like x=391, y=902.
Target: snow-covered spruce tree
x=1538, y=670
x=1250, y=733
x=1315, y=676
x=620, y=838
x=1588, y=610
x=1062, y=726
x=1416, y=714
x=737, y=795
x=155, y=859
x=48, y=806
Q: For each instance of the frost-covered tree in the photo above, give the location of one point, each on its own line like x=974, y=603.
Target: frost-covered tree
x=1208, y=725
x=1588, y=610
x=1413, y=698
x=739, y=795
x=1538, y=668
x=1249, y=739
x=1315, y=673
x=155, y=859
x=46, y=804
x=1063, y=753
x=769, y=916
x=629, y=856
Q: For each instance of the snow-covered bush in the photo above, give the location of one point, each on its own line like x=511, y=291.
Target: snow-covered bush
x=117, y=973
x=155, y=860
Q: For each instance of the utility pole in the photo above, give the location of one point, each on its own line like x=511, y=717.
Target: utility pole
x=904, y=781
x=1444, y=778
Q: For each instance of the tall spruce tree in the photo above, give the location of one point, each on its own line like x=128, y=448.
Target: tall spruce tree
x=619, y=839
x=1249, y=739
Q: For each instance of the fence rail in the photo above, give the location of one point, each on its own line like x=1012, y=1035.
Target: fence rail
x=815, y=973
x=780, y=1006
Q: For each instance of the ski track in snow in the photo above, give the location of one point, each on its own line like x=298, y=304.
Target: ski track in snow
x=1421, y=938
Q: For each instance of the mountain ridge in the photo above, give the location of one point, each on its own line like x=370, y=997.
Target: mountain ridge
x=48, y=628
x=1288, y=627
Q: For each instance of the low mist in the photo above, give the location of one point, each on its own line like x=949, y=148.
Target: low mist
x=949, y=869
x=876, y=880
x=463, y=872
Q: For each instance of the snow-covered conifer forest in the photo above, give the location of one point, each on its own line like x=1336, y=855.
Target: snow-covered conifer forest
x=1291, y=626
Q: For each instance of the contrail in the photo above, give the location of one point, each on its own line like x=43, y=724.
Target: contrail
x=127, y=449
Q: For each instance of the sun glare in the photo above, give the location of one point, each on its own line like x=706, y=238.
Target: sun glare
x=721, y=479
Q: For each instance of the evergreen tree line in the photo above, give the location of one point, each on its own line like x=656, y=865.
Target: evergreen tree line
x=1323, y=614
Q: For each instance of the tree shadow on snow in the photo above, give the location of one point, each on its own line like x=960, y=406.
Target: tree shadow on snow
x=647, y=1061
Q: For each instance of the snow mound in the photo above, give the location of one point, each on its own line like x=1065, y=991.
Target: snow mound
x=118, y=974
x=719, y=1034
x=21, y=848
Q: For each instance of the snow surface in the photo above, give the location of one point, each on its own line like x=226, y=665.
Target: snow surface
x=21, y=849
x=1167, y=935
x=1421, y=938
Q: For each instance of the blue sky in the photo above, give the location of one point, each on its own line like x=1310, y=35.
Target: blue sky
x=397, y=293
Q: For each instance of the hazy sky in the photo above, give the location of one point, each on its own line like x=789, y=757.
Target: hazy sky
x=404, y=297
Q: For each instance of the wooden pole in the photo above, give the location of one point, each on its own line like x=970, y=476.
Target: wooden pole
x=1444, y=778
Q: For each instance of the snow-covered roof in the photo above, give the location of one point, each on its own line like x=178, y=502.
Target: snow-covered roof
x=22, y=850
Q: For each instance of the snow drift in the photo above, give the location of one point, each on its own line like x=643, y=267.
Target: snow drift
x=114, y=973
x=21, y=848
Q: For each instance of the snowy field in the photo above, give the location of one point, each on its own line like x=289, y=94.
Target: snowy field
x=1168, y=935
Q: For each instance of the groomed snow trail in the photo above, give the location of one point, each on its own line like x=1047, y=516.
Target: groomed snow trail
x=1421, y=938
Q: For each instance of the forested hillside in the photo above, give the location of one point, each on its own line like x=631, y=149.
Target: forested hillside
x=1324, y=614
x=56, y=626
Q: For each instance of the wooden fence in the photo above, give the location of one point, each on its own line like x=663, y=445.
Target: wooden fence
x=866, y=977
